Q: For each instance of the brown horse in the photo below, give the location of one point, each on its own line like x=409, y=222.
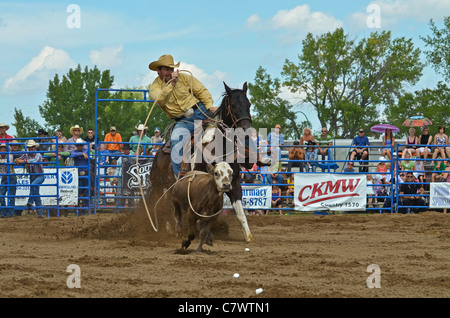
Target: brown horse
x=234, y=112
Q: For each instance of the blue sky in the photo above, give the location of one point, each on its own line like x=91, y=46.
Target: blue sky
x=216, y=40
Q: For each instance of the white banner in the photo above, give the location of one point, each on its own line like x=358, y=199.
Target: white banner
x=68, y=187
x=253, y=197
x=439, y=195
x=337, y=192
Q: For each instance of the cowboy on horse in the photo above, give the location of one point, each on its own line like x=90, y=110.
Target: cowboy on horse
x=183, y=98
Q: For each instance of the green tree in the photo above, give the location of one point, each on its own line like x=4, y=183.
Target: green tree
x=347, y=82
x=71, y=99
x=439, y=54
x=25, y=126
x=268, y=108
x=431, y=103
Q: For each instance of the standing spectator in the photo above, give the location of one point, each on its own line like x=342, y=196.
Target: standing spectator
x=80, y=156
x=325, y=141
x=61, y=138
x=3, y=135
x=8, y=179
x=311, y=156
x=90, y=138
x=424, y=140
x=360, y=142
x=296, y=153
x=411, y=143
x=44, y=143
x=76, y=132
x=440, y=139
x=141, y=131
x=274, y=140
x=155, y=140
x=32, y=160
x=113, y=137
x=389, y=141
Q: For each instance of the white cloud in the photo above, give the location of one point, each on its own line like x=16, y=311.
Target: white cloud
x=37, y=72
x=107, y=56
x=294, y=24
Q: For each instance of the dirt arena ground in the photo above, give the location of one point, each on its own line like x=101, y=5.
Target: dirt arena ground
x=294, y=256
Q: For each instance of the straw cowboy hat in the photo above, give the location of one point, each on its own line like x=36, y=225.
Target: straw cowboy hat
x=76, y=127
x=31, y=143
x=4, y=125
x=3, y=145
x=141, y=127
x=164, y=60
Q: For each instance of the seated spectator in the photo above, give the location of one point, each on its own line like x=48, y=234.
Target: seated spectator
x=296, y=153
x=440, y=139
x=411, y=143
x=274, y=175
x=112, y=139
x=141, y=131
x=411, y=190
x=407, y=164
x=438, y=176
x=76, y=131
x=276, y=197
x=383, y=171
x=388, y=140
x=104, y=155
x=325, y=141
x=419, y=168
x=349, y=167
x=3, y=135
x=57, y=155
x=156, y=139
x=290, y=189
x=424, y=140
x=311, y=156
x=361, y=143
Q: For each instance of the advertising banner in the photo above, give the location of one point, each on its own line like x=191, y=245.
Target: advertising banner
x=440, y=195
x=68, y=187
x=253, y=197
x=336, y=192
x=131, y=174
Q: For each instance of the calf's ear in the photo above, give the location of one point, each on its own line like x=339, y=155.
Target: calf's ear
x=210, y=168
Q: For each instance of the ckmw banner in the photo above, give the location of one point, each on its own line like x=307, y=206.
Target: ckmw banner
x=337, y=192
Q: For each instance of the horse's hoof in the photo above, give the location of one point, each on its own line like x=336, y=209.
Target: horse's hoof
x=185, y=244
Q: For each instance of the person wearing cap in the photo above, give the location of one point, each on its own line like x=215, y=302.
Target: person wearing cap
x=3, y=135
x=181, y=97
x=32, y=160
x=8, y=179
x=360, y=142
x=112, y=139
x=145, y=140
x=44, y=143
x=156, y=139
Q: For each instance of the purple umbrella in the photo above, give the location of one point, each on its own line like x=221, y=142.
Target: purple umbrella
x=381, y=128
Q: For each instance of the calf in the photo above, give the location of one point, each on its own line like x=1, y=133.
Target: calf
x=199, y=195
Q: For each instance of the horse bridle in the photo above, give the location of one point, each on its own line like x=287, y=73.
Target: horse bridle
x=233, y=118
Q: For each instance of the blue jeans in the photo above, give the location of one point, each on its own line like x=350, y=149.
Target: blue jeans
x=35, y=181
x=6, y=181
x=181, y=134
x=278, y=178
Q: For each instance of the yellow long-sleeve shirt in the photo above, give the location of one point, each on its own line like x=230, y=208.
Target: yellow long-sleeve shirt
x=174, y=101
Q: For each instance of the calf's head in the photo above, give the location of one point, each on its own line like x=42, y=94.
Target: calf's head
x=223, y=175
